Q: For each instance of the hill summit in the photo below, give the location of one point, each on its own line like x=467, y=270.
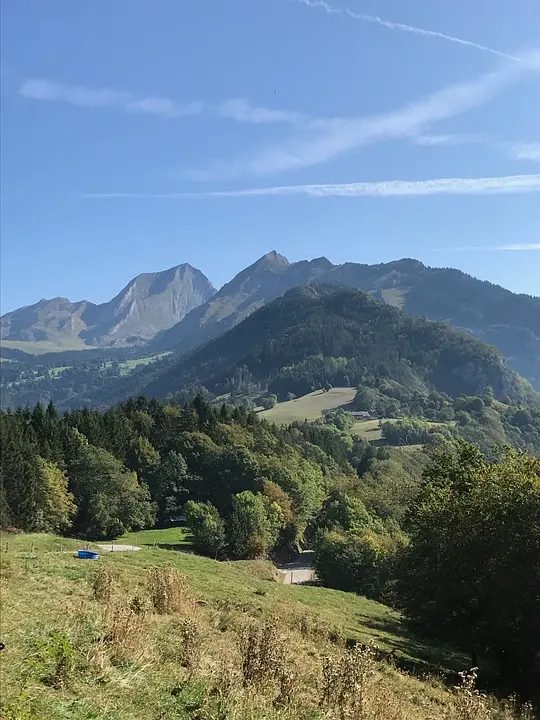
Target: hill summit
x=332, y=334
x=497, y=316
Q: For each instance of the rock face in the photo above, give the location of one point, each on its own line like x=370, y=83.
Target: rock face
x=149, y=304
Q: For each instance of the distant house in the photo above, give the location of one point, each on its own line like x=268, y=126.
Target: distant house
x=362, y=414
x=177, y=520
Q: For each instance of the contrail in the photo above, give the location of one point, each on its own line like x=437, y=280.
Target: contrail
x=509, y=184
x=333, y=10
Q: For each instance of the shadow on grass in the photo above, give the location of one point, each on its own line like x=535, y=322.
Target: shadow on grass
x=182, y=547
x=413, y=654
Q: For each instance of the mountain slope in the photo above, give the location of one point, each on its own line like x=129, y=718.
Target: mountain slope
x=149, y=304
x=325, y=333
x=268, y=278
x=510, y=322
x=56, y=320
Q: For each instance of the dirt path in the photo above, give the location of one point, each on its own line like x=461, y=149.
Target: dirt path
x=112, y=547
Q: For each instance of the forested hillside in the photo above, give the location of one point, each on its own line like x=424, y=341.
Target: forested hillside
x=98, y=474
x=508, y=321
x=70, y=379
x=330, y=334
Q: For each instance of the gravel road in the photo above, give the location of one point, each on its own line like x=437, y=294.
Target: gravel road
x=118, y=548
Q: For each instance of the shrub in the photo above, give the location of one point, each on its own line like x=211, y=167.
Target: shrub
x=207, y=528
x=190, y=635
x=346, y=681
x=103, y=582
x=262, y=652
x=167, y=590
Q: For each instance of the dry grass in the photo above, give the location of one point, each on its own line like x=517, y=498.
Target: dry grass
x=125, y=642
x=167, y=589
x=263, y=653
x=103, y=582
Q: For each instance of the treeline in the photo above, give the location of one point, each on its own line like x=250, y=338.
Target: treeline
x=429, y=416
x=97, y=474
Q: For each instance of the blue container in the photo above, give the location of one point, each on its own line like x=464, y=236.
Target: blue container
x=87, y=555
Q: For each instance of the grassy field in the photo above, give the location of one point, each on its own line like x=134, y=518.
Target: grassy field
x=310, y=406
x=394, y=297
x=159, y=634
x=368, y=429
x=45, y=346
x=128, y=365
x=167, y=538
x=56, y=371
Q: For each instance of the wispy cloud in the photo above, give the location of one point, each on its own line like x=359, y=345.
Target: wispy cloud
x=241, y=110
x=524, y=151
x=237, y=109
x=323, y=140
x=80, y=96
x=452, y=140
x=388, y=188
x=334, y=10
x=518, y=247
x=515, y=150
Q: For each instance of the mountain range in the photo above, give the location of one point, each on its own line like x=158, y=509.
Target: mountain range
x=149, y=304
x=178, y=309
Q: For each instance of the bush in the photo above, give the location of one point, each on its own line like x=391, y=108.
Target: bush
x=254, y=525
x=207, y=528
x=355, y=563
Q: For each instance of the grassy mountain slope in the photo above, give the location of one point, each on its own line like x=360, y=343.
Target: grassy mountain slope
x=99, y=647
x=318, y=334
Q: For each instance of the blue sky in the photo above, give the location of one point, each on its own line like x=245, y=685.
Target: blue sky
x=137, y=135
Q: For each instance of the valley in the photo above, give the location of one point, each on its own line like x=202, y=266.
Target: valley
x=269, y=360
